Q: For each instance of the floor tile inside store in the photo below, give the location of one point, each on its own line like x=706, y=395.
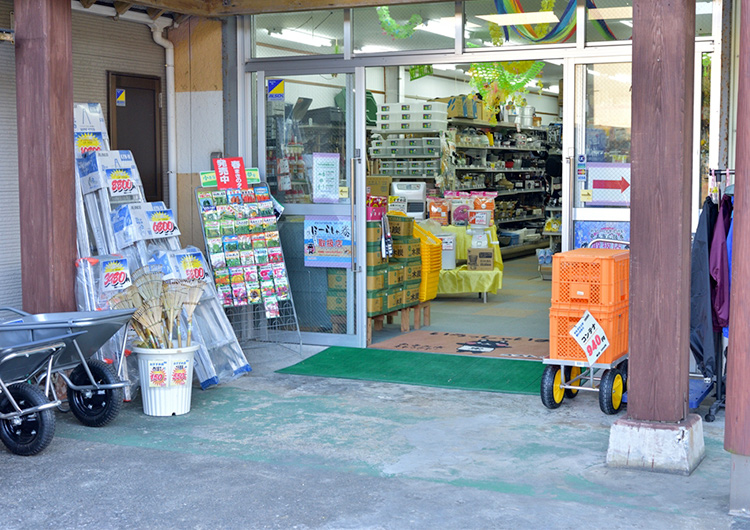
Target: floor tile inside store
x=519, y=309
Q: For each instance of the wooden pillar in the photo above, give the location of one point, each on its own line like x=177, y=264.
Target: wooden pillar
x=662, y=99
x=737, y=422
x=44, y=103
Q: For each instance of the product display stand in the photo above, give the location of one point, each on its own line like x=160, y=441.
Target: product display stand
x=245, y=255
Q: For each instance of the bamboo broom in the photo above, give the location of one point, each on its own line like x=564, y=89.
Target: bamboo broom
x=194, y=292
x=173, y=296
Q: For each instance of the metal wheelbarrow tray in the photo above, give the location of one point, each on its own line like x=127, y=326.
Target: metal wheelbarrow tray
x=27, y=421
x=95, y=392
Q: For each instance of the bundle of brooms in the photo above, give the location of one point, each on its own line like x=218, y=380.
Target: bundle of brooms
x=158, y=305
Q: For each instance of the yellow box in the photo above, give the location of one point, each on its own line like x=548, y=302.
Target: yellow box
x=374, y=257
x=336, y=302
x=406, y=248
x=401, y=226
x=395, y=298
x=374, y=231
x=410, y=294
x=377, y=278
x=378, y=186
x=395, y=274
x=413, y=270
x=376, y=303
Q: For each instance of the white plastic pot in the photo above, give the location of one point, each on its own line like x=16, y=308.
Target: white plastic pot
x=166, y=379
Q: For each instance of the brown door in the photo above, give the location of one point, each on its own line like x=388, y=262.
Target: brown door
x=135, y=125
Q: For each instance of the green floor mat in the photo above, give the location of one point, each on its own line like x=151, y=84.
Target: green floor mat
x=426, y=369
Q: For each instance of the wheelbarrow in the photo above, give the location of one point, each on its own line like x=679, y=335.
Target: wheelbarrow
x=27, y=421
x=95, y=390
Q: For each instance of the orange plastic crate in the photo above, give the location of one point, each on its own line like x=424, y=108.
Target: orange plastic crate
x=563, y=346
x=588, y=278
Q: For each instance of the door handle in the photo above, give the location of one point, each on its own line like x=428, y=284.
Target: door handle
x=352, y=196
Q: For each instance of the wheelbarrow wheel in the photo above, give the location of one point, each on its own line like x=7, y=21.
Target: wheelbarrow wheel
x=552, y=394
x=95, y=408
x=571, y=372
x=29, y=434
x=611, y=388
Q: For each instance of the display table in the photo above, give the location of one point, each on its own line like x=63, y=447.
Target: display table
x=463, y=242
x=461, y=280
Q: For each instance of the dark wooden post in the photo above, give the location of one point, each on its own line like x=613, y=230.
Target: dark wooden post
x=737, y=423
x=44, y=97
x=663, y=55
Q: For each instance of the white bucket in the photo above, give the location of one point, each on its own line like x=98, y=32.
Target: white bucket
x=166, y=379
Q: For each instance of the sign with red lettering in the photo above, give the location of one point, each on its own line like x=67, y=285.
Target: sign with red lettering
x=230, y=173
x=589, y=334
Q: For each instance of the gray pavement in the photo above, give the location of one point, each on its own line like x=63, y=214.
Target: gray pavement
x=282, y=451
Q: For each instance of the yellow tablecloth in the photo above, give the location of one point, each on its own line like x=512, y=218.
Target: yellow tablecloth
x=463, y=242
x=460, y=280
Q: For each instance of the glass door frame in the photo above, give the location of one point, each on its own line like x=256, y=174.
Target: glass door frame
x=355, y=209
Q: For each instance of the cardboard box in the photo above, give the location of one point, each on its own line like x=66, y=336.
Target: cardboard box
x=480, y=259
x=463, y=107
x=378, y=186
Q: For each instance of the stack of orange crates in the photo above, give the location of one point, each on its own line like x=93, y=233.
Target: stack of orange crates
x=590, y=279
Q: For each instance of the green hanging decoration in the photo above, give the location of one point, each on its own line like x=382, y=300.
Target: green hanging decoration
x=503, y=83
x=393, y=28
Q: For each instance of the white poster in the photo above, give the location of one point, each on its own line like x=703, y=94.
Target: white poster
x=325, y=181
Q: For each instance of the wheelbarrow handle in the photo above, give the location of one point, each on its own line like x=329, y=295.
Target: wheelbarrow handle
x=16, y=311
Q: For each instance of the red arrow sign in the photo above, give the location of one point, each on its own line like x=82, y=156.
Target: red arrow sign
x=621, y=184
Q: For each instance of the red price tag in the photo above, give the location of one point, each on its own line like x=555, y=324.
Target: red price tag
x=195, y=274
x=163, y=227
x=230, y=173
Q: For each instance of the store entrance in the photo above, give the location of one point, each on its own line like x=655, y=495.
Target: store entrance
x=483, y=177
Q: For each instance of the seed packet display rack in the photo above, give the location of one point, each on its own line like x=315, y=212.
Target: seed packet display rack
x=245, y=256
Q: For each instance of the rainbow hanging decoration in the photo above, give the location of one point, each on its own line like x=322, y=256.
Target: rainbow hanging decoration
x=562, y=31
x=393, y=28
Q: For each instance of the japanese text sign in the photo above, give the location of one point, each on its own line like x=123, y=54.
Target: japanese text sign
x=230, y=173
x=590, y=336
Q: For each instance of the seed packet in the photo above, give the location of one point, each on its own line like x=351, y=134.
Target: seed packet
x=252, y=211
x=221, y=276
x=225, y=295
x=253, y=295
x=272, y=239
x=205, y=200
x=282, y=289
x=248, y=195
x=245, y=242
x=259, y=241
x=227, y=228
x=214, y=245
x=233, y=259
x=239, y=292
x=261, y=256
x=265, y=272
x=247, y=257
x=234, y=196
x=250, y=274
x=242, y=226
x=265, y=208
x=279, y=270
x=262, y=194
x=226, y=212
x=220, y=197
x=231, y=243
x=275, y=255
x=268, y=288
x=212, y=229
x=272, y=307
x=218, y=260
x=256, y=225
x=236, y=275
x=268, y=224
x=210, y=214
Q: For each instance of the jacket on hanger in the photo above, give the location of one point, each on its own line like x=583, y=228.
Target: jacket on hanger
x=702, y=334
x=719, y=265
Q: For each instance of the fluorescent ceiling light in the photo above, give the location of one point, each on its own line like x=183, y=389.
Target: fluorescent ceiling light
x=300, y=37
x=444, y=66
x=445, y=26
x=628, y=23
x=608, y=13
x=374, y=48
x=520, y=19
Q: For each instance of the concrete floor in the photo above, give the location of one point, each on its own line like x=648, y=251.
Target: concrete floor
x=284, y=451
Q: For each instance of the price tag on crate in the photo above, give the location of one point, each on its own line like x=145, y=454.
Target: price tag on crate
x=590, y=337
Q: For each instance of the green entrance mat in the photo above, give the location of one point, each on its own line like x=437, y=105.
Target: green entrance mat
x=426, y=369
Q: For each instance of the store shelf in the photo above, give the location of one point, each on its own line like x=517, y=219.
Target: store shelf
x=388, y=157
x=552, y=234
x=499, y=148
x=517, y=192
x=499, y=125
x=553, y=208
x=524, y=248
x=503, y=170
x=519, y=219
x=431, y=177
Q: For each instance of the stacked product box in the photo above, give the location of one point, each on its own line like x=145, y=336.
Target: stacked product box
x=244, y=248
x=412, y=117
x=590, y=279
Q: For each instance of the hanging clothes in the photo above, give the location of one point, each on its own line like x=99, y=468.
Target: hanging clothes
x=719, y=265
x=702, y=336
x=730, y=238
